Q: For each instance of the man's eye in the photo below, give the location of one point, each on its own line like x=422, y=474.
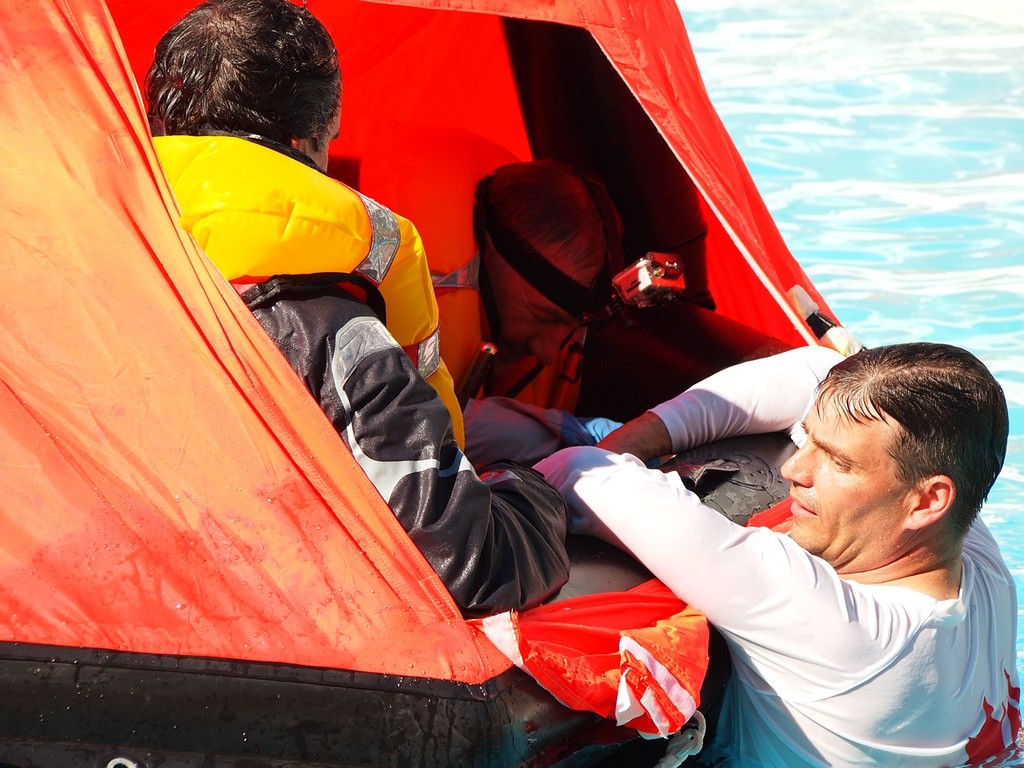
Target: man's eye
x=839, y=464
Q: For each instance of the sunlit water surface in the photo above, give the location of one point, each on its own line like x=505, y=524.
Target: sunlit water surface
x=887, y=138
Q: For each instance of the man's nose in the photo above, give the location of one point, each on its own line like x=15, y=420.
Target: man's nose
x=796, y=468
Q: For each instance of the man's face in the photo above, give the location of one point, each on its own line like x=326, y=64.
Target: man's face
x=530, y=323
x=849, y=507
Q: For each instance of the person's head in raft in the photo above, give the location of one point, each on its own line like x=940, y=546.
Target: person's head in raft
x=548, y=239
x=263, y=69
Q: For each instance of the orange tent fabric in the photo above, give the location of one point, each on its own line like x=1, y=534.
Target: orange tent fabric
x=167, y=485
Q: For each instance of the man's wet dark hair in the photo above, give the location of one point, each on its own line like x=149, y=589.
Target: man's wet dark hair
x=951, y=411
x=266, y=67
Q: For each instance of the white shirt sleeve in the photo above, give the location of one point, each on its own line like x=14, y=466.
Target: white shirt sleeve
x=652, y=515
x=697, y=552
x=789, y=611
x=766, y=395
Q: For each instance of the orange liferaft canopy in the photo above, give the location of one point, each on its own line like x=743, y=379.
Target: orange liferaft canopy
x=166, y=486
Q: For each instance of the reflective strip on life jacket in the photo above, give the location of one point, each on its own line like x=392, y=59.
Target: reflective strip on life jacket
x=466, y=276
x=428, y=354
x=384, y=243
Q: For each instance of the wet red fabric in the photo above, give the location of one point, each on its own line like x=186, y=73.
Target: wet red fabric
x=638, y=657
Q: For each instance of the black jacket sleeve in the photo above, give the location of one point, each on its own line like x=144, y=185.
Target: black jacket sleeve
x=497, y=540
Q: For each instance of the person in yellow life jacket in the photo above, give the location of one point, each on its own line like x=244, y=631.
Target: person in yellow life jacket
x=254, y=192
x=247, y=95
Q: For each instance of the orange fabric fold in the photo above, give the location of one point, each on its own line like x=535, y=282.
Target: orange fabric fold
x=638, y=657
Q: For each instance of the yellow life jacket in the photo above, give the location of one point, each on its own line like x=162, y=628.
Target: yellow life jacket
x=258, y=213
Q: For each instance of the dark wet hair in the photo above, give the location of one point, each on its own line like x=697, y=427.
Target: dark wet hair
x=951, y=411
x=266, y=67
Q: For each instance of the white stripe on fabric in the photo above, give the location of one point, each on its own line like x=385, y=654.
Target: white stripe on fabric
x=502, y=631
x=384, y=241
x=386, y=475
x=676, y=691
x=357, y=340
x=627, y=705
x=657, y=714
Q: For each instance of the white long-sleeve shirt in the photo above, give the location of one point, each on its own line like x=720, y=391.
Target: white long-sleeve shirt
x=827, y=672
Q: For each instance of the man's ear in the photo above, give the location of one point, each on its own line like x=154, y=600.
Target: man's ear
x=933, y=496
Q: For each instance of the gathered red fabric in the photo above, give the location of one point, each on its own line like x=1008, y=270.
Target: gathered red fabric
x=638, y=657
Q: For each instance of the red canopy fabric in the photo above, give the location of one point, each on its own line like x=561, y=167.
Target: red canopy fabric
x=430, y=63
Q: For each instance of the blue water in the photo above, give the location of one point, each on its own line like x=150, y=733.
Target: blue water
x=887, y=138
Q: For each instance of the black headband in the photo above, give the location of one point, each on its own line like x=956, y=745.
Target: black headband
x=556, y=286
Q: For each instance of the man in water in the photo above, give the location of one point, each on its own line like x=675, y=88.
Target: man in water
x=880, y=628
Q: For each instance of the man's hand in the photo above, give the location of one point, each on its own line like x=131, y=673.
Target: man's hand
x=644, y=437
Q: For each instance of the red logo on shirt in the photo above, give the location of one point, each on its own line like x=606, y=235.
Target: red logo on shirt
x=990, y=741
